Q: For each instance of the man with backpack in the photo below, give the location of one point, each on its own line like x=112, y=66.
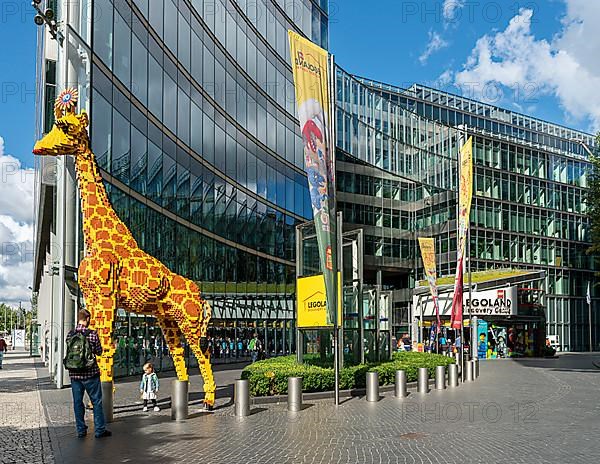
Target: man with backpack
x=255, y=348
x=83, y=345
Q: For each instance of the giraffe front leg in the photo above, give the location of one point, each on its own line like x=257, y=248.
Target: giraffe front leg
x=102, y=321
x=102, y=313
x=172, y=335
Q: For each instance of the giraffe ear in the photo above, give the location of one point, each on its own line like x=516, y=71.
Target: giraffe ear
x=83, y=118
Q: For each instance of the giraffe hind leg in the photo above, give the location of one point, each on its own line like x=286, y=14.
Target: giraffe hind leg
x=194, y=326
x=172, y=335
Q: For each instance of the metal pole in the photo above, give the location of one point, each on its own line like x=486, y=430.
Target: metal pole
x=241, y=398
x=590, y=318
x=440, y=377
x=294, y=394
x=462, y=141
x=299, y=265
x=469, y=273
x=179, y=400
x=336, y=218
x=400, y=391
x=107, y=401
x=474, y=325
x=423, y=380
x=452, y=375
x=372, y=387
x=469, y=377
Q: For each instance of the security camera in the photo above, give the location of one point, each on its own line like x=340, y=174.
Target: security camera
x=36, y=2
x=49, y=14
x=38, y=19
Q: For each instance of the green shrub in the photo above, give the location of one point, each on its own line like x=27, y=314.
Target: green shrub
x=270, y=377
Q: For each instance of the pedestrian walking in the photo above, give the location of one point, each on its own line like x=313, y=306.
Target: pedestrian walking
x=3, y=349
x=255, y=348
x=83, y=345
x=149, y=386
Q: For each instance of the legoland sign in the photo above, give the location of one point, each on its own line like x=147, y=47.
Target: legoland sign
x=498, y=302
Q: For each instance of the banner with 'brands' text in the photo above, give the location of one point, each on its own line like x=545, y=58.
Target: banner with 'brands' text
x=427, y=246
x=310, y=64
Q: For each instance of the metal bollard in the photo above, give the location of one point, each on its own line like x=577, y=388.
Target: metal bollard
x=107, y=401
x=476, y=374
x=469, y=368
x=372, y=386
x=453, y=376
x=440, y=378
x=179, y=400
x=423, y=380
x=294, y=393
x=400, y=391
x=241, y=397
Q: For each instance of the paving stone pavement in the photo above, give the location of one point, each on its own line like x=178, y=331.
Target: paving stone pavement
x=24, y=435
x=533, y=411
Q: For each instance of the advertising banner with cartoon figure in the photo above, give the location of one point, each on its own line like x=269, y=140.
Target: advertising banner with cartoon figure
x=310, y=68
x=482, y=339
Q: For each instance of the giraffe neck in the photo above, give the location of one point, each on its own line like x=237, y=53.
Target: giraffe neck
x=98, y=214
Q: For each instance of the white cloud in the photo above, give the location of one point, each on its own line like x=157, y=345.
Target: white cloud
x=451, y=8
x=16, y=229
x=436, y=42
x=514, y=62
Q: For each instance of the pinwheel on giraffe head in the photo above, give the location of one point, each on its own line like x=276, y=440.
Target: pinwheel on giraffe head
x=69, y=134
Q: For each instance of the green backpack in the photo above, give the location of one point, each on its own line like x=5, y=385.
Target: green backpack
x=79, y=355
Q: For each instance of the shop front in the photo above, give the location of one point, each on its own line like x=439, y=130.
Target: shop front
x=510, y=322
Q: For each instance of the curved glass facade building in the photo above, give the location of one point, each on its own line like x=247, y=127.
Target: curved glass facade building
x=194, y=128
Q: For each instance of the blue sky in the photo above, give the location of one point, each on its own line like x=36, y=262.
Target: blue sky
x=537, y=57
x=388, y=41
x=17, y=86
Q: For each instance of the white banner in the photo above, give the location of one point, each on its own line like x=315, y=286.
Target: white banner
x=498, y=302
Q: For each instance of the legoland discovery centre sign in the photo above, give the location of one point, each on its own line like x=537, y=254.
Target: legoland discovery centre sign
x=497, y=302
x=312, y=304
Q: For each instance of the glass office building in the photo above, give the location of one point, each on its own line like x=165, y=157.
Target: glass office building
x=193, y=125
x=529, y=206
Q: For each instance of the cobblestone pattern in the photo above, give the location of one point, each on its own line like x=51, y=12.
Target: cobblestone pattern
x=538, y=411
x=24, y=435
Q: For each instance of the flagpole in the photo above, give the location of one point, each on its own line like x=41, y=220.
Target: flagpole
x=589, y=302
x=461, y=142
x=338, y=224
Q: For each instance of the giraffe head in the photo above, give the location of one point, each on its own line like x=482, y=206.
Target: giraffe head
x=69, y=134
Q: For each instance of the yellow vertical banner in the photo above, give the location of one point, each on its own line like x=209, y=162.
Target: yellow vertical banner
x=465, y=195
x=466, y=184
x=310, y=64
x=427, y=246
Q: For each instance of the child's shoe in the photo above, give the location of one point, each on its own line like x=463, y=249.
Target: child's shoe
x=145, y=409
x=156, y=409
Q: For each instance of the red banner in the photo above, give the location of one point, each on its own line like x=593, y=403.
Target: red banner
x=457, y=301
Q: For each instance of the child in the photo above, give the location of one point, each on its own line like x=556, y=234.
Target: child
x=149, y=386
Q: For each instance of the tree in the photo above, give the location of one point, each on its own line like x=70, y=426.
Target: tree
x=593, y=203
x=8, y=316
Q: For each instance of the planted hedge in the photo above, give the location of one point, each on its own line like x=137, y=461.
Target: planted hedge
x=270, y=377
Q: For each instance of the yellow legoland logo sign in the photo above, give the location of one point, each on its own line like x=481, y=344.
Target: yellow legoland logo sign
x=311, y=302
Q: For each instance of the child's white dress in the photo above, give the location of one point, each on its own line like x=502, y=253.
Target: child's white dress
x=149, y=386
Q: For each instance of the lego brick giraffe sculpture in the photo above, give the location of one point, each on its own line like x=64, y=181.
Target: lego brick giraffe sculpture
x=115, y=272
